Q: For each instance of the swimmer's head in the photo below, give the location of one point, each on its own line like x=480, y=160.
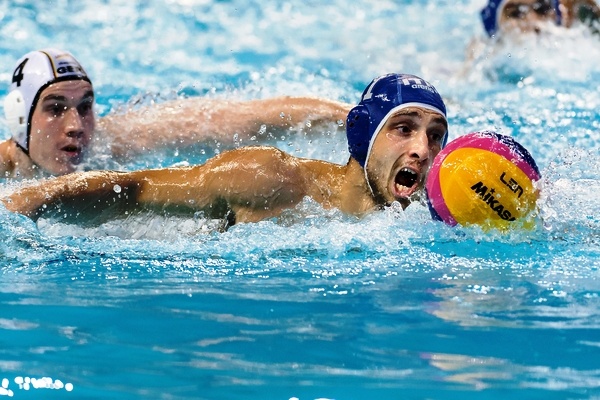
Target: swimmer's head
x=34, y=72
x=383, y=97
x=498, y=10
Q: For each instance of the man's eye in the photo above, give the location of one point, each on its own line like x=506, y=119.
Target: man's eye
x=514, y=11
x=403, y=129
x=436, y=137
x=84, y=108
x=542, y=7
x=55, y=109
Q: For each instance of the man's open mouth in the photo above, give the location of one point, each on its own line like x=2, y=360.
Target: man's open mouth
x=73, y=153
x=405, y=183
x=406, y=177
x=71, y=149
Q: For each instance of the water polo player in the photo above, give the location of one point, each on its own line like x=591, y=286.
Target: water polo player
x=383, y=110
x=530, y=15
x=393, y=134
x=519, y=15
x=49, y=111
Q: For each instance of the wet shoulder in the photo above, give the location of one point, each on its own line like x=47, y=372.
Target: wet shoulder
x=255, y=157
x=6, y=151
x=7, y=158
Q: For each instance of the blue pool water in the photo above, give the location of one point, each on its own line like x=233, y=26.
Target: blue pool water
x=315, y=304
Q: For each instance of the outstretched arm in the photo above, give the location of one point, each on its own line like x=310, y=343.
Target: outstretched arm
x=252, y=182
x=184, y=122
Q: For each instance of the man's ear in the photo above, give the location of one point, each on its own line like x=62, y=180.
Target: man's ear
x=14, y=112
x=357, y=131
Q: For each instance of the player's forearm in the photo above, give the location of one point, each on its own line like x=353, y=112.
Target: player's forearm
x=77, y=192
x=257, y=121
x=289, y=111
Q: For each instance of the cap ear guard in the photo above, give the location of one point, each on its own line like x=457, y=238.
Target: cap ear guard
x=357, y=132
x=16, y=116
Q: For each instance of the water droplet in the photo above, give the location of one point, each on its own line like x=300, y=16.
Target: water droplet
x=117, y=189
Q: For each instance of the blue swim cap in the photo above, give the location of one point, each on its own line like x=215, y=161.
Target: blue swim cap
x=386, y=95
x=490, y=14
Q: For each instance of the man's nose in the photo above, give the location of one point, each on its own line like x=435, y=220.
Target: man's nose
x=73, y=125
x=419, y=146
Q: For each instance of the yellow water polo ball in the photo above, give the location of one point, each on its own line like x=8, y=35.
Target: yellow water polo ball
x=485, y=179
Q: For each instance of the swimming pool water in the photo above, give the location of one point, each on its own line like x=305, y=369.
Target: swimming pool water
x=314, y=304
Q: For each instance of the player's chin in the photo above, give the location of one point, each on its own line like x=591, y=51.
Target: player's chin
x=65, y=167
x=403, y=195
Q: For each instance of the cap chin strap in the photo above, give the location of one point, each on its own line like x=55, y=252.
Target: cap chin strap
x=15, y=112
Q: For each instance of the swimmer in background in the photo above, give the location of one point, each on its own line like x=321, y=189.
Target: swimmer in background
x=501, y=17
x=514, y=20
x=504, y=17
x=393, y=135
x=50, y=113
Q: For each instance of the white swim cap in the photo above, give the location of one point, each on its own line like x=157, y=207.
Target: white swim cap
x=34, y=72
